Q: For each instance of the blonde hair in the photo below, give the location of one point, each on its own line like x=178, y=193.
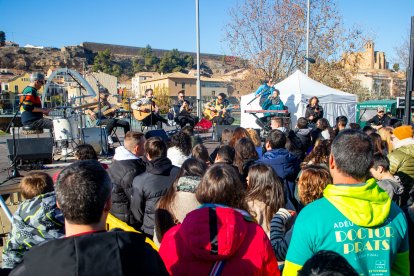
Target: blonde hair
x=386, y=133
x=254, y=137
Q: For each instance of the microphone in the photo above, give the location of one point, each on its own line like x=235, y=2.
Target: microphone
x=152, y=98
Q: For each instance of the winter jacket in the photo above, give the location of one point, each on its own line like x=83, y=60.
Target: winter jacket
x=286, y=166
x=125, y=167
x=148, y=187
x=218, y=236
x=359, y=222
x=184, y=202
x=100, y=253
x=304, y=136
x=176, y=156
x=35, y=221
x=311, y=111
x=393, y=187
x=402, y=165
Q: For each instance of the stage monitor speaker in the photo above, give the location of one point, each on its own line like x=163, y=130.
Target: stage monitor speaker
x=32, y=149
x=219, y=130
x=157, y=133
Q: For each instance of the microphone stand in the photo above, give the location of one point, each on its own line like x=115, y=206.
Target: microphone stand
x=15, y=172
x=257, y=96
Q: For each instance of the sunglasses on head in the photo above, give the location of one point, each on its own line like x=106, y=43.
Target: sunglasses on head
x=380, y=111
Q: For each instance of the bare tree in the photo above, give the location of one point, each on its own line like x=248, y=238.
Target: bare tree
x=402, y=51
x=271, y=35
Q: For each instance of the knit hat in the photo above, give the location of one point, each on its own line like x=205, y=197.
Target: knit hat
x=403, y=132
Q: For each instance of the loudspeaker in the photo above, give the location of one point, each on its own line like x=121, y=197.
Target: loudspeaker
x=32, y=149
x=157, y=133
x=218, y=130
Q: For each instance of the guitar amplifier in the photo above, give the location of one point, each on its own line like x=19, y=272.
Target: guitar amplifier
x=31, y=149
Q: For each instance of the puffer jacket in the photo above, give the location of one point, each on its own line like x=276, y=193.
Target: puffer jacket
x=220, y=237
x=147, y=188
x=286, y=166
x=35, y=221
x=125, y=167
x=402, y=164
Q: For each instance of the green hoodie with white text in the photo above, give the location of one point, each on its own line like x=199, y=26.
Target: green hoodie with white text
x=358, y=221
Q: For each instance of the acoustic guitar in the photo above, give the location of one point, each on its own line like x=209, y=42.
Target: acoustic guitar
x=210, y=114
x=93, y=122
x=143, y=112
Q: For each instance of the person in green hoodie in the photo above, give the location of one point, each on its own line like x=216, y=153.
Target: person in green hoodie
x=354, y=218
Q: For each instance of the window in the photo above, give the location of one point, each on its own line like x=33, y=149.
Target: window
x=183, y=85
x=16, y=89
x=175, y=83
x=213, y=93
x=6, y=87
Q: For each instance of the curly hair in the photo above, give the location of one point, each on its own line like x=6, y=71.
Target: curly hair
x=312, y=182
x=320, y=153
x=182, y=141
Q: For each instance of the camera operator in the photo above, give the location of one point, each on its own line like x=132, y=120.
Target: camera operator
x=314, y=111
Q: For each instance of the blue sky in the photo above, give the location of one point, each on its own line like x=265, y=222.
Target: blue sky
x=170, y=24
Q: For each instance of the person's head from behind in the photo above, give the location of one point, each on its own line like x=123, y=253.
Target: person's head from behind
x=134, y=142
x=276, y=139
x=302, y=123
x=85, y=152
x=386, y=134
x=380, y=166
x=377, y=142
x=245, y=150
x=368, y=130
x=225, y=154
x=341, y=122
x=189, y=130
x=254, y=137
x=221, y=184
x=264, y=185
x=351, y=156
x=327, y=263
x=226, y=136
x=35, y=184
x=200, y=152
x=182, y=141
x=83, y=193
x=276, y=122
x=238, y=133
x=320, y=153
x=354, y=126
x=312, y=182
x=155, y=148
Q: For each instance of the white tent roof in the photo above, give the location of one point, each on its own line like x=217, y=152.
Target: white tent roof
x=295, y=91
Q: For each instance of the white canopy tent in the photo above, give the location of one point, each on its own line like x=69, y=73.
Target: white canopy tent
x=295, y=92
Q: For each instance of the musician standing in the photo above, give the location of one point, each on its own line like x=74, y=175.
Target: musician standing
x=183, y=109
x=221, y=109
x=148, y=105
x=108, y=120
x=31, y=107
x=264, y=91
x=314, y=111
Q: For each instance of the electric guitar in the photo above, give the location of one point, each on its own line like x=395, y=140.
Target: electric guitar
x=143, y=112
x=211, y=114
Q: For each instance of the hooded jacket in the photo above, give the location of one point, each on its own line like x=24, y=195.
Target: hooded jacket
x=102, y=253
x=35, y=221
x=125, y=167
x=218, y=236
x=148, y=187
x=358, y=221
x=402, y=165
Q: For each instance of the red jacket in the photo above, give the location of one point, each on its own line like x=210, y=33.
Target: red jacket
x=214, y=233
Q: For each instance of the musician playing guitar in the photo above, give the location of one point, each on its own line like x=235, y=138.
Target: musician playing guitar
x=105, y=117
x=146, y=111
x=219, y=110
x=183, y=109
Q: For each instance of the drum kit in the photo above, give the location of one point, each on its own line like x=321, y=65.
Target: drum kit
x=71, y=126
